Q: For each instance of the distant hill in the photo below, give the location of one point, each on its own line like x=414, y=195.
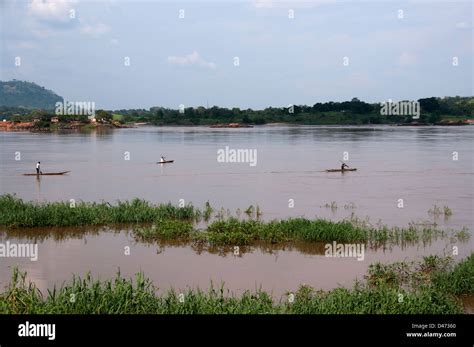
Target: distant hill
x=27, y=95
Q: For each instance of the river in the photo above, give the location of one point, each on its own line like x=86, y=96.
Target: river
x=423, y=166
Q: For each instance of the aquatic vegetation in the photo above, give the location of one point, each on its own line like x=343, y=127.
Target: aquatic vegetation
x=233, y=231
x=208, y=210
x=437, y=211
x=249, y=211
x=258, y=212
x=380, y=300
x=447, y=211
x=384, y=293
x=391, y=275
x=350, y=205
x=433, y=272
x=234, y=238
x=222, y=213
x=332, y=205
x=15, y=212
x=254, y=211
x=462, y=235
x=178, y=222
x=459, y=280
x=166, y=229
x=293, y=229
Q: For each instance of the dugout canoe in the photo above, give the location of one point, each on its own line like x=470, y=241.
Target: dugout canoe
x=48, y=173
x=165, y=162
x=339, y=170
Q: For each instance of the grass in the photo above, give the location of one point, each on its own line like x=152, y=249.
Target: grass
x=435, y=272
x=233, y=231
x=208, y=210
x=458, y=281
x=384, y=293
x=174, y=222
x=15, y=213
x=166, y=229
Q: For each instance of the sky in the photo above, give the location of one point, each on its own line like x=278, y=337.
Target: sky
x=239, y=53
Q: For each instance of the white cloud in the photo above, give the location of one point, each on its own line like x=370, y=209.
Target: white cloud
x=95, y=29
x=407, y=59
x=193, y=59
x=51, y=10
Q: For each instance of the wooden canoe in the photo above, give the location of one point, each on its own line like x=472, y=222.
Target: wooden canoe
x=165, y=162
x=339, y=170
x=48, y=173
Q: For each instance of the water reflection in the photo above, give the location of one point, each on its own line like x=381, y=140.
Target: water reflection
x=126, y=233
x=277, y=268
x=38, y=188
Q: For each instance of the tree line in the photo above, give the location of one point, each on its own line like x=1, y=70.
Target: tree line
x=354, y=111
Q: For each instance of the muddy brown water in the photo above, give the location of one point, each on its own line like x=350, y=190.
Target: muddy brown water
x=274, y=268
x=413, y=164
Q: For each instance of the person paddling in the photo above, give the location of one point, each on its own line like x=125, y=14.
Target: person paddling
x=38, y=169
x=162, y=160
x=343, y=166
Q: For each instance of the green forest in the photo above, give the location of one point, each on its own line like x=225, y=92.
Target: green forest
x=26, y=95
x=23, y=101
x=433, y=110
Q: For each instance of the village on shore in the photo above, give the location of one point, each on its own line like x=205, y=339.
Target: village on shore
x=102, y=119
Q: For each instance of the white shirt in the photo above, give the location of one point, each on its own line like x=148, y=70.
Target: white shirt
x=37, y=165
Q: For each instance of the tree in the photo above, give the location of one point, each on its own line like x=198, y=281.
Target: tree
x=429, y=105
x=259, y=120
x=246, y=119
x=37, y=113
x=434, y=118
x=103, y=116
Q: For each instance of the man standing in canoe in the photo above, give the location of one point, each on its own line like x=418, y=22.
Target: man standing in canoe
x=38, y=169
x=162, y=160
x=343, y=166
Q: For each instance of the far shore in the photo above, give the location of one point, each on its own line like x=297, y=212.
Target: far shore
x=30, y=127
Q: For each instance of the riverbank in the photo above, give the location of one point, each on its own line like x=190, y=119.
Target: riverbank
x=59, y=127
x=433, y=286
x=29, y=127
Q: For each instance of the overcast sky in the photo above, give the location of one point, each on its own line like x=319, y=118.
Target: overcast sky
x=330, y=50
